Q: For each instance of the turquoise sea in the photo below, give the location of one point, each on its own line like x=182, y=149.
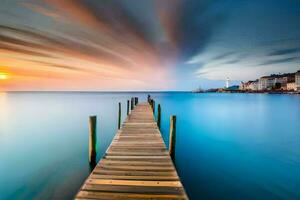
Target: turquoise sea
x=229, y=146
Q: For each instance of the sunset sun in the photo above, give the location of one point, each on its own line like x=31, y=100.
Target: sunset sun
x=3, y=76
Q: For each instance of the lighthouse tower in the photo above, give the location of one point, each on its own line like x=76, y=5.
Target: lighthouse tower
x=227, y=82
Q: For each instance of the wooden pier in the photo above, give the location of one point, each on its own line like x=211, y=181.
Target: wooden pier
x=136, y=165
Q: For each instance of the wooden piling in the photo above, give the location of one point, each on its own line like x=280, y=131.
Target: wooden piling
x=172, y=139
x=148, y=98
x=136, y=100
x=119, y=117
x=92, y=139
x=132, y=105
x=158, y=116
x=127, y=107
x=153, y=106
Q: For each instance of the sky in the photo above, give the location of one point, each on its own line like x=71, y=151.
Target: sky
x=137, y=45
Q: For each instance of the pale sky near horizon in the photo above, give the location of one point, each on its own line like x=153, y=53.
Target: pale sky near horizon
x=145, y=44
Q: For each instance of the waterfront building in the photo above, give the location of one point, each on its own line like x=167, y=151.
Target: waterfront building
x=284, y=79
x=291, y=86
x=242, y=86
x=297, y=80
x=253, y=85
x=266, y=82
x=250, y=85
x=276, y=81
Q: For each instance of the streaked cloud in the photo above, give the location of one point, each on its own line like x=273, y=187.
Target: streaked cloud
x=140, y=45
x=284, y=51
x=284, y=60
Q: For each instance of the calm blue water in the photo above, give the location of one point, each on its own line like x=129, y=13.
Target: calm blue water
x=229, y=146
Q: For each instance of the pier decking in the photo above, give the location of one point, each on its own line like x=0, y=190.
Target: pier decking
x=136, y=165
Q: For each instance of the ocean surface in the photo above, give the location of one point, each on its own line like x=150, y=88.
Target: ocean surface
x=229, y=146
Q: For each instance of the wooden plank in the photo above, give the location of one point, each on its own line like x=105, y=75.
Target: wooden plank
x=139, y=158
x=133, y=189
x=136, y=168
x=119, y=177
x=133, y=173
x=125, y=196
x=135, y=153
x=135, y=183
x=136, y=165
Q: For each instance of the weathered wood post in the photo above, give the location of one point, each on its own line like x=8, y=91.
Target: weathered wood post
x=127, y=107
x=148, y=98
x=132, y=105
x=136, y=100
x=119, y=118
x=158, y=116
x=153, y=106
x=172, y=139
x=92, y=139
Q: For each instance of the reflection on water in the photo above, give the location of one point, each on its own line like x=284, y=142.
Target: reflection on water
x=229, y=146
x=44, y=141
x=4, y=109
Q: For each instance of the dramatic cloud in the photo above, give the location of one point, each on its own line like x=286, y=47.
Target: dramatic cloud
x=260, y=46
x=285, y=60
x=284, y=52
x=222, y=56
x=143, y=45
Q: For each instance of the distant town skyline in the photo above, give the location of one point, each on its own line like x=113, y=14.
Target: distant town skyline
x=128, y=45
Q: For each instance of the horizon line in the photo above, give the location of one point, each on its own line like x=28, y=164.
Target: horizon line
x=100, y=91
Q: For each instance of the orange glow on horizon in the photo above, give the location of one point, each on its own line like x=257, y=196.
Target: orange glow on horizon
x=3, y=76
x=87, y=53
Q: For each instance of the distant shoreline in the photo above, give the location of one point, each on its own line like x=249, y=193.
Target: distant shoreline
x=253, y=92
x=151, y=92
x=68, y=91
